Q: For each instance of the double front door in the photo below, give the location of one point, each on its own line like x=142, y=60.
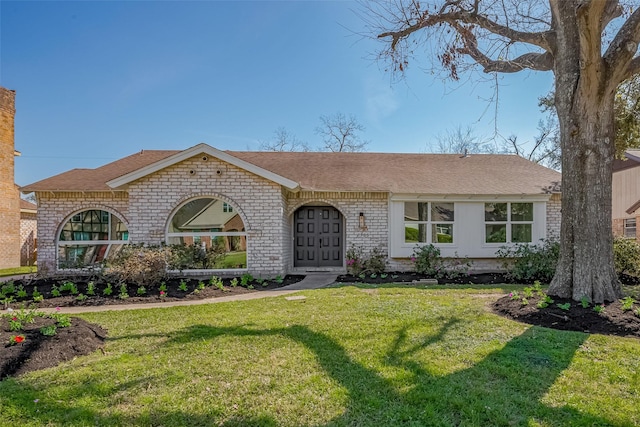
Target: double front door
x=318, y=237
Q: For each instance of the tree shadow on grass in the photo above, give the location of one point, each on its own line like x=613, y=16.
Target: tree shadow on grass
x=486, y=394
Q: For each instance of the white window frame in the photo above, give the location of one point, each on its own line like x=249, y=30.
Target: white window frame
x=626, y=228
x=211, y=234
x=75, y=219
x=430, y=223
x=508, y=223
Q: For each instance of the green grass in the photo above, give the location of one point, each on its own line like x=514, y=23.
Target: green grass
x=233, y=260
x=345, y=356
x=18, y=270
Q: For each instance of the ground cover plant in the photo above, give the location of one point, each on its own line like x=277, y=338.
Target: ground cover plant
x=367, y=355
x=100, y=290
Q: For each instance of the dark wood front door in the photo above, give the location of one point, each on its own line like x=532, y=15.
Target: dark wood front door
x=318, y=237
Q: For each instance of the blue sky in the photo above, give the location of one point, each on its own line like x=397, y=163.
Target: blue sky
x=99, y=80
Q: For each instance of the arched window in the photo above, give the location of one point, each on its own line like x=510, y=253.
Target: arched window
x=89, y=238
x=207, y=234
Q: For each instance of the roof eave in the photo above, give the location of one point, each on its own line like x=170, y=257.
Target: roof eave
x=202, y=149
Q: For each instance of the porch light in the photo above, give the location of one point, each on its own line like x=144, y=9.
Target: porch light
x=361, y=221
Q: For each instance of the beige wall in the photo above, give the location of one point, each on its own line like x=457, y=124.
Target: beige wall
x=28, y=236
x=625, y=192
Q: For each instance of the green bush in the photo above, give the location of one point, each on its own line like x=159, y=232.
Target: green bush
x=528, y=262
x=358, y=262
x=626, y=256
x=427, y=261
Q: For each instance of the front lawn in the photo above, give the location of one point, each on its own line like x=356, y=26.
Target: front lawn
x=17, y=271
x=366, y=356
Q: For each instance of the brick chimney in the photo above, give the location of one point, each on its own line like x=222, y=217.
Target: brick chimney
x=9, y=194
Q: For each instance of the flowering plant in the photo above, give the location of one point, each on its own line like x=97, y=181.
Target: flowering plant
x=16, y=339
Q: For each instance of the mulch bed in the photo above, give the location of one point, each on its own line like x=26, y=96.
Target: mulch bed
x=173, y=292
x=38, y=351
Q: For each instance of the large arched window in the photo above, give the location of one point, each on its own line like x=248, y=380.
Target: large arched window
x=207, y=233
x=89, y=238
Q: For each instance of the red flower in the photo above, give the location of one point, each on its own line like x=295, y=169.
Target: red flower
x=16, y=339
x=14, y=318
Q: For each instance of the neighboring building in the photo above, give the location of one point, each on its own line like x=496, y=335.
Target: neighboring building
x=28, y=232
x=625, y=198
x=9, y=194
x=281, y=212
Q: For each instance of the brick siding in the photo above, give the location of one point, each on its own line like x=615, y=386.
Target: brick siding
x=9, y=195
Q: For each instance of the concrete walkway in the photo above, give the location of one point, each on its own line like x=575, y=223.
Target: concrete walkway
x=311, y=281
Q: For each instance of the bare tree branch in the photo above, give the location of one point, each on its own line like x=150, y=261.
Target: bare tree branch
x=623, y=48
x=424, y=20
x=341, y=133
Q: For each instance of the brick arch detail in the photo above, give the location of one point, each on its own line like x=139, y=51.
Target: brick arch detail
x=293, y=208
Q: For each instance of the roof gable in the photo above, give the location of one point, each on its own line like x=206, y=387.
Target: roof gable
x=197, y=150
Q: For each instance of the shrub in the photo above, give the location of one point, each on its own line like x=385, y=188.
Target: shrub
x=427, y=260
x=529, y=262
x=359, y=262
x=143, y=265
x=626, y=256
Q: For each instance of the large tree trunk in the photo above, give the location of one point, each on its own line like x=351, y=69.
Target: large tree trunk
x=584, y=101
x=585, y=268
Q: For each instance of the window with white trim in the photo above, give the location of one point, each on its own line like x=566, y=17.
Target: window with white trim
x=206, y=234
x=89, y=238
x=630, y=228
x=508, y=222
x=429, y=222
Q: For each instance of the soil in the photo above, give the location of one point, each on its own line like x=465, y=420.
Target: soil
x=193, y=289
x=38, y=351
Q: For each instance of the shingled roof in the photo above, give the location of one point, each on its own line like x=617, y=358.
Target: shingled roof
x=481, y=174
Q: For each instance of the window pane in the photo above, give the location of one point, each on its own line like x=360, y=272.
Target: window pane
x=496, y=233
x=495, y=212
x=441, y=211
x=205, y=214
x=521, y=233
x=78, y=256
x=415, y=233
x=442, y=233
x=521, y=211
x=416, y=211
x=630, y=228
x=208, y=252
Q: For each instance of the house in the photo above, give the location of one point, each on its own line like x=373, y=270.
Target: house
x=280, y=212
x=625, y=199
x=28, y=232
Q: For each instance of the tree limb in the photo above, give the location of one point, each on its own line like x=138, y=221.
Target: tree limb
x=425, y=20
x=623, y=48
